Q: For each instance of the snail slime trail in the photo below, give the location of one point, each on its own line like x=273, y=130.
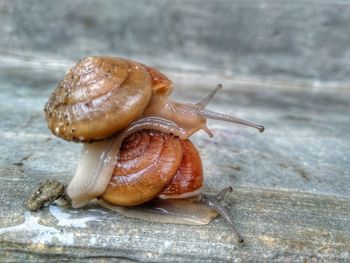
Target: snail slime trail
x=137, y=158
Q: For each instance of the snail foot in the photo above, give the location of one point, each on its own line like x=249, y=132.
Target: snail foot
x=214, y=203
x=47, y=192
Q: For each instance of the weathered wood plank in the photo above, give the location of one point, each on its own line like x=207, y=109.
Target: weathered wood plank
x=277, y=225
x=291, y=200
x=307, y=39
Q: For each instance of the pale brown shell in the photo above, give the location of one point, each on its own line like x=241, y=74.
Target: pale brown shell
x=100, y=96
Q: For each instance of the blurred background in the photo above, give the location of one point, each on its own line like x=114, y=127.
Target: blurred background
x=306, y=40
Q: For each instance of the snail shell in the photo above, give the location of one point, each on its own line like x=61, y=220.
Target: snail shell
x=162, y=175
x=152, y=164
x=101, y=96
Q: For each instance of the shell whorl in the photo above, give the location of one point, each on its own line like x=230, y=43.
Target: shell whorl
x=188, y=180
x=152, y=164
x=98, y=97
x=147, y=162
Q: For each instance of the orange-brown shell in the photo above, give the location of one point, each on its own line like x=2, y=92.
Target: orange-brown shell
x=150, y=164
x=100, y=96
x=189, y=176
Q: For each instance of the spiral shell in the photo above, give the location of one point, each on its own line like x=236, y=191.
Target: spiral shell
x=188, y=180
x=100, y=96
x=151, y=164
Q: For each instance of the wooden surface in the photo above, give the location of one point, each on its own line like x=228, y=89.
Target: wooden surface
x=291, y=199
x=272, y=39
x=282, y=64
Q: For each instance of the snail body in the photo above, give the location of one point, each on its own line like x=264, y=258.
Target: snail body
x=121, y=109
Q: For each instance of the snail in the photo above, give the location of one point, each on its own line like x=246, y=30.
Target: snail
x=136, y=140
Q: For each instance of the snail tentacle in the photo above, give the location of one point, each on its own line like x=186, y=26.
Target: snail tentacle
x=221, y=194
x=214, y=203
x=205, y=101
x=208, y=114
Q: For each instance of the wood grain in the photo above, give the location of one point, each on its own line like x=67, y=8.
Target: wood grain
x=291, y=200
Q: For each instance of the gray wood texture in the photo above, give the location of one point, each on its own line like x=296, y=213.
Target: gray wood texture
x=282, y=64
x=308, y=39
x=291, y=199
